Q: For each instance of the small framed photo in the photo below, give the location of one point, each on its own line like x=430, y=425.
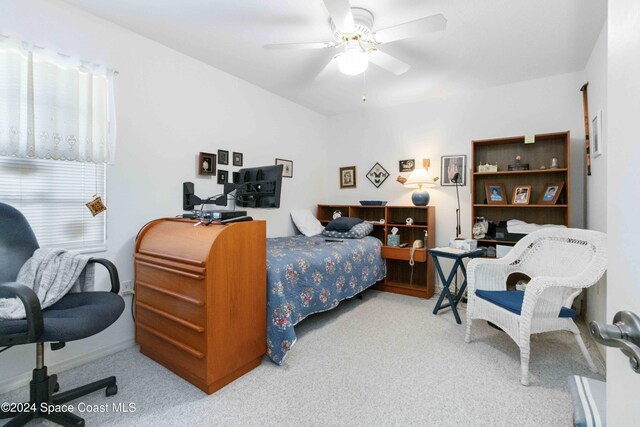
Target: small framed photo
x=348, y=177
x=223, y=176
x=596, y=135
x=521, y=195
x=223, y=157
x=407, y=165
x=452, y=165
x=377, y=175
x=551, y=193
x=287, y=167
x=236, y=177
x=496, y=194
x=237, y=159
x=206, y=164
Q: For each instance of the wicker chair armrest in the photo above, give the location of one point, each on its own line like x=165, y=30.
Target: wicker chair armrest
x=487, y=274
x=32, y=309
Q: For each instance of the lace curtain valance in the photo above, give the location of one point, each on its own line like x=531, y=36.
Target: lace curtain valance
x=54, y=107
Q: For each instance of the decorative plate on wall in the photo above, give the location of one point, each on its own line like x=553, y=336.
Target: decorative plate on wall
x=377, y=175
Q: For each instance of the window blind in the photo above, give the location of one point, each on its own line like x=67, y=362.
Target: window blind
x=52, y=196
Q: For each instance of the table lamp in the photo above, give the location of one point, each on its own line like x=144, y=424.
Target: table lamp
x=419, y=179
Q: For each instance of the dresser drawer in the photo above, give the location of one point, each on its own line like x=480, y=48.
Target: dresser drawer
x=190, y=309
x=175, y=281
x=177, y=358
x=179, y=329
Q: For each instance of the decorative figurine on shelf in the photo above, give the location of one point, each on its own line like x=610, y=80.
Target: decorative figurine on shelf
x=487, y=168
x=518, y=166
x=409, y=221
x=337, y=214
x=480, y=228
x=554, y=163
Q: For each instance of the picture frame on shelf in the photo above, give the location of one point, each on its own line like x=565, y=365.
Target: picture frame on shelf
x=596, y=135
x=377, y=175
x=407, y=165
x=551, y=193
x=452, y=165
x=348, y=177
x=206, y=164
x=287, y=167
x=237, y=159
x=223, y=176
x=496, y=194
x=223, y=157
x=521, y=195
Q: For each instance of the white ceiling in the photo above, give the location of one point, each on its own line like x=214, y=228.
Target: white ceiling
x=487, y=43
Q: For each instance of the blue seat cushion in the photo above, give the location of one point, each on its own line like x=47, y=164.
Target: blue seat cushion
x=75, y=316
x=512, y=301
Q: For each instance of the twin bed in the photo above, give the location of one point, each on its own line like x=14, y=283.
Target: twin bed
x=307, y=275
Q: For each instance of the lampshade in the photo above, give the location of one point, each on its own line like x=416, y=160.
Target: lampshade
x=353, y=61
x=419, y=177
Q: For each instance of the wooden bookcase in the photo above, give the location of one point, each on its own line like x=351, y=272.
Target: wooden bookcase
x=398, y=278
x=503, y=151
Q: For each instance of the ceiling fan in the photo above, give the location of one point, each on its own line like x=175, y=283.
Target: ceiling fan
x=353, y=30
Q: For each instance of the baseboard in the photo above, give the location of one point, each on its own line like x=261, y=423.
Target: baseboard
x=23, y=379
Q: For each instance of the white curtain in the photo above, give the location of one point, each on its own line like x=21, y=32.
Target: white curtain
x=54, y=107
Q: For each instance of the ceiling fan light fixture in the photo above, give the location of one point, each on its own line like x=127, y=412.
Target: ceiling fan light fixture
x=353, y=61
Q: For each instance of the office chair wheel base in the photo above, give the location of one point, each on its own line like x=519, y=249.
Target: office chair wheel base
x=112, y=390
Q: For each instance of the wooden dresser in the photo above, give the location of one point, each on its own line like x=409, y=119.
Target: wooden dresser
x=200, y=298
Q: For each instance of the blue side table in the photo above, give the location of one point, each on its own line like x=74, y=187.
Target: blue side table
x=456, y=255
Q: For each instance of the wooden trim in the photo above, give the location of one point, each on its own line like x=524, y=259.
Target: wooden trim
x=172, y=258
x=171, y=317
x=171, y=270
x=170, y=293
x=177, y=344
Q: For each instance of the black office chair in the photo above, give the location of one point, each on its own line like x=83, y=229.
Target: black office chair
x=75, y=316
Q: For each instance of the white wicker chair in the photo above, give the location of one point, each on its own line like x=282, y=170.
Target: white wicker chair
x=560, y=262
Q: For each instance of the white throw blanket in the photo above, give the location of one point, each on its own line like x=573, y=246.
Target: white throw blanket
x=51, y=273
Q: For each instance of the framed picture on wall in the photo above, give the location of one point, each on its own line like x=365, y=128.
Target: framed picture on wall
x=377, y=175
x=348, y=177
x=237, y=159
x=596, y=135
x=452, y=165
x=287, y=167
x=223, y=157
x=206, y=164
x=407, y=165
x=223, y=176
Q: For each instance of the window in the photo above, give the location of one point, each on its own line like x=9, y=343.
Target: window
x=52, y=195
x=57, y=132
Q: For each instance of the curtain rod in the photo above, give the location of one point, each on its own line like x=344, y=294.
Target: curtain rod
x=64, y=55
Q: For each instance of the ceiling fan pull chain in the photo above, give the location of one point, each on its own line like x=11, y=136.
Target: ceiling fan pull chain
x=364, y=86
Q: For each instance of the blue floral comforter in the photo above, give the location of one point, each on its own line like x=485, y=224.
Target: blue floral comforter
x=307, y=275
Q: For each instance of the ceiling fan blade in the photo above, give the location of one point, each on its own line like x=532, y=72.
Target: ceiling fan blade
x=299, y=46
x=329, y=69
x=340, y=11
x=427, y=25
x=388, y=62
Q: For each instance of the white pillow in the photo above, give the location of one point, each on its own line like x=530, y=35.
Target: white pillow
x=306, y=222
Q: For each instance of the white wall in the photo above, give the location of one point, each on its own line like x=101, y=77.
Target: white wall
x=596, y=184
x=169, y=108
x=446, y=126
x=623, y=293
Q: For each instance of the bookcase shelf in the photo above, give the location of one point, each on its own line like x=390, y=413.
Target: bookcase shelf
x=399, y=275
x=503, y=151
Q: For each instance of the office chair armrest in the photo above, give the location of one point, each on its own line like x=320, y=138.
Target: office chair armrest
x=113, y=272
x=31, y=307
